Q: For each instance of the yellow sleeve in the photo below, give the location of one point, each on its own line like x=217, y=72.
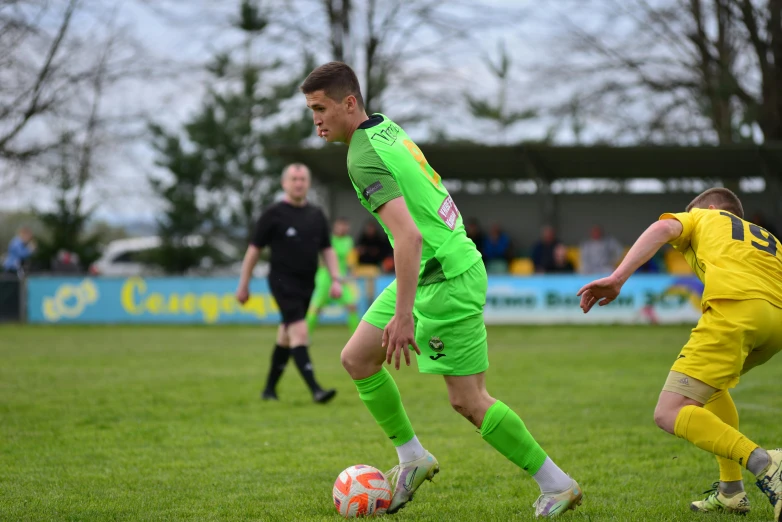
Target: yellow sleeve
x=682, y=242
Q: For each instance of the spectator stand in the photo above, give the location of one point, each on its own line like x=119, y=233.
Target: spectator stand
x=572, y=188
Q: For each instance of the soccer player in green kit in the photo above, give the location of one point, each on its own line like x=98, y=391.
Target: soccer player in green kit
x=435, y=304
x=342, y=244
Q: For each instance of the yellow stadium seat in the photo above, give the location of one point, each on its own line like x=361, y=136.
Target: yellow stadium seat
x=353, y=257
x=574, y=256
x=366, y=271
x=676, y=263
x=522, y=266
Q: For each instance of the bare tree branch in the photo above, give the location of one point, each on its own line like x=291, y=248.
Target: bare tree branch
x=33, y=106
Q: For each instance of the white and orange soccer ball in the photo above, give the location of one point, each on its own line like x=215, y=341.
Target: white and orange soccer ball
x=362, y=491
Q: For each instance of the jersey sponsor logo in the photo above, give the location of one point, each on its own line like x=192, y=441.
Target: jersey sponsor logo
x=448, y=212
x=290, y=232
x=387, y=135
x=435, y=357
x=374, y=187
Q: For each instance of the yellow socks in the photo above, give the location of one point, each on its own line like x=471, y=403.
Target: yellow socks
x=721, y=404
x=705, y=429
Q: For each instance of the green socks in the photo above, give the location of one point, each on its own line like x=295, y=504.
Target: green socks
x=501, y=428
x=382, y=399
x=506, y=433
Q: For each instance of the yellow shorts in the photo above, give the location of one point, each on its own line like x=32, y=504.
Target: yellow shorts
x=731, y=338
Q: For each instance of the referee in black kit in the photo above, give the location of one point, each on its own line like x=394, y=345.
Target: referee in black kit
x=296, y=231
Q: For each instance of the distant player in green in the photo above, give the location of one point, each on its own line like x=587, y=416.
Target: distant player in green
x=342, y=244
x=436, y=301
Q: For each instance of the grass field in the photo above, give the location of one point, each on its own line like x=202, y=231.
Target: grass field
x=164, y=423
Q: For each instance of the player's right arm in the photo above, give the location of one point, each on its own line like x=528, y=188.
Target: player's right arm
x=605, y=290
x=408, y=242
x=248, y=263
x=260, y=238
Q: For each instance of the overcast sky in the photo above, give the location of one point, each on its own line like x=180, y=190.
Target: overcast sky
x=189, y=32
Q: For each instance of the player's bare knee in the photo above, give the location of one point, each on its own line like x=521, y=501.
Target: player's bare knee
x=664, y=418
x=356, y=366
x=348, y=360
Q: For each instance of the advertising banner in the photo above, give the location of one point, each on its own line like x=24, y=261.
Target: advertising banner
x=510, y=300
x=552, y=299
x=159, y=300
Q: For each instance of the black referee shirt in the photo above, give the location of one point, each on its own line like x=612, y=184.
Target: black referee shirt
x=296, y=235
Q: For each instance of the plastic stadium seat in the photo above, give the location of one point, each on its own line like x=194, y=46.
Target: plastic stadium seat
x=497, y=266
x=522, y=266
x=676, y=263
x=366, y=271
x=353, y=257
x=574, y=256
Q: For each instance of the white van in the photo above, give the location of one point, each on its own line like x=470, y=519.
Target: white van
x=127, y=257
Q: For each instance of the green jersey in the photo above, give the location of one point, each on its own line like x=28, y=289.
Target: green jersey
x=342, y=246
x=384, y=164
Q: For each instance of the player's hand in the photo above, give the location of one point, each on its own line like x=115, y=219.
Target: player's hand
x=398, y=336
x=242, y=294
x=601, y=291
x=335, y=292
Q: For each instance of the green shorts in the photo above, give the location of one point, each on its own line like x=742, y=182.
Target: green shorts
x=321, y=298
x=449, y=322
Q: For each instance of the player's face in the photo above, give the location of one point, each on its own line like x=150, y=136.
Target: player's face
x=341, y=228
x=296, y=183
x=330, y=116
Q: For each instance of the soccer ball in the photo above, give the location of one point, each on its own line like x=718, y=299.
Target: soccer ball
x=361, y=491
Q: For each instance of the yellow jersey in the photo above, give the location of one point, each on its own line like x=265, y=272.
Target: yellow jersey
x=734, y=259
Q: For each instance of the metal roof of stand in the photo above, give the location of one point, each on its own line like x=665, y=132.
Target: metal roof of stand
x=547, y=162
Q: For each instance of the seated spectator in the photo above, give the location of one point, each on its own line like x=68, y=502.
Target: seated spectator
x=474, y=232
x=496, y=246
x=20, y=248
x=599, y=254
x=372, y=245
x=543, y=250
x=562, y=264
x=656, y=265
x=760, y=220
x=66, y=263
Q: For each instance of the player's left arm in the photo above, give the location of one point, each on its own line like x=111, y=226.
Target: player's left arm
x=605, y=290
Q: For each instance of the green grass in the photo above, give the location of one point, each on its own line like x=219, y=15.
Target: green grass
x=164, y=423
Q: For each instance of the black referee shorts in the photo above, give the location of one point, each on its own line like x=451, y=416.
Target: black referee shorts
x=293, y=295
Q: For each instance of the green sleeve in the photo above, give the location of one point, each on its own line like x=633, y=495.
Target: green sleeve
x=373, y=179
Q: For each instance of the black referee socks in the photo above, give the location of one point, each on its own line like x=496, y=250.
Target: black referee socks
x=280, y=357
x=302, y=358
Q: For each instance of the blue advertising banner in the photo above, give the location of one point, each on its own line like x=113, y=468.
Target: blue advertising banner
x=159, y=300
x=509, y=300
x=552, y=300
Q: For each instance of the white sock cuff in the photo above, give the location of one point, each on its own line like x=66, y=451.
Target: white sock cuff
x=551, y=479
x=410, y=450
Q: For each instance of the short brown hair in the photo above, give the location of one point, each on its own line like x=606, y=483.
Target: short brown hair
x=336, y=80
x=721, y=198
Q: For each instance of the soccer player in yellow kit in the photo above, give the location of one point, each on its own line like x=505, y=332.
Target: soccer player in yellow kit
x=740, y=265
